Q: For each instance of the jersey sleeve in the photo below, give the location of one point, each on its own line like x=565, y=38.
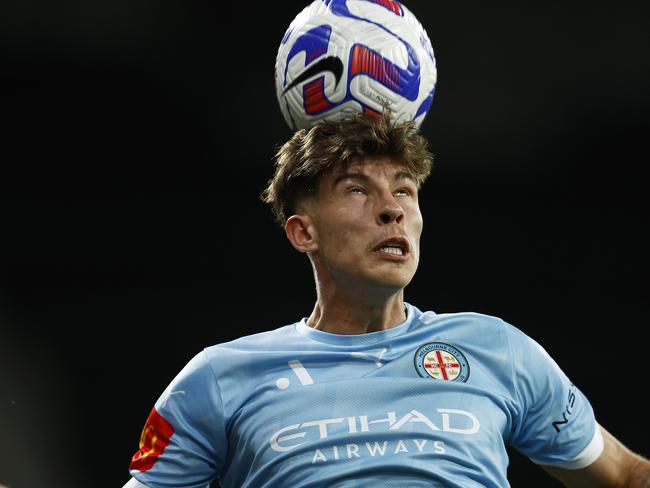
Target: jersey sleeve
x=183, y=443
x=556, y=424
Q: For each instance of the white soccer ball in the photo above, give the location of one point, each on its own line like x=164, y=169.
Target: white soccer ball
x=339, y=57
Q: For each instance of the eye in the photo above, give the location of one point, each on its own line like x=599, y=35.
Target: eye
x=404, y=192
x=356, y=189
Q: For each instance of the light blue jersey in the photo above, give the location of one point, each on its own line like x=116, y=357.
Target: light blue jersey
x=431, y=402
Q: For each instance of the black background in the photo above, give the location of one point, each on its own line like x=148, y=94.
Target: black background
x=137, y=137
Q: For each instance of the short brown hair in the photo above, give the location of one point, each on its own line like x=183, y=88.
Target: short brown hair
x=310, y=153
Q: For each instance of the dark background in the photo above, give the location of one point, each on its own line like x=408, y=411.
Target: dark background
x=137, y=137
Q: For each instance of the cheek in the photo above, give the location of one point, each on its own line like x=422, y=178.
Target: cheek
x=344, y=241
x=341, y=243
x=416, y=230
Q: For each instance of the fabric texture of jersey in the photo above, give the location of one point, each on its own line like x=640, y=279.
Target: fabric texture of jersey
x=431, y=402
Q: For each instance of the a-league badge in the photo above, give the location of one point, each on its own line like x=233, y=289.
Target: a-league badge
x=441, y=361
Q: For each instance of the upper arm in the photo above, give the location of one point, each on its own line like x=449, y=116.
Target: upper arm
x=183, y=442
x=617, y=466
x=554, y=422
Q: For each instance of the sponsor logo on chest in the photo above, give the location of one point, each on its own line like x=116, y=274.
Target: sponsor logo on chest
x=449, y=420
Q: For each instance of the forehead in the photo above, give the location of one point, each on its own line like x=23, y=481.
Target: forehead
x=371, y=168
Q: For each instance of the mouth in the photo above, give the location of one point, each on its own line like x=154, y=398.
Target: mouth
x=396, y=248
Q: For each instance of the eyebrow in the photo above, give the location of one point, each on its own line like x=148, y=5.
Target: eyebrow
x=401, y=175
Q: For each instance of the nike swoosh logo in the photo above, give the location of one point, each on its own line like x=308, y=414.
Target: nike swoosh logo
x=330, y=63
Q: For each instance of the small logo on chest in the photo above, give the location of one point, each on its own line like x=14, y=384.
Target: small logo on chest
x=441, y=361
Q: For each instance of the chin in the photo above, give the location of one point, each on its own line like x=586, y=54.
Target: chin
x=394, y=283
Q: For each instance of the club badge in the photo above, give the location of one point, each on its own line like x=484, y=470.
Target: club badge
x=441, y=361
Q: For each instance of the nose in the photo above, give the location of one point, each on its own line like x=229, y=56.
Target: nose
x=390, y=211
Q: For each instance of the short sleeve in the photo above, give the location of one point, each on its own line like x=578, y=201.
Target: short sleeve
x=556, y=424
x=183, y=443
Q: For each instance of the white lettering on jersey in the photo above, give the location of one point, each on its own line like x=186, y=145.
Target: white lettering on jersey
x=365, y=425
x=420, y=446
x=318, y=456
x=446, y=424
x=278, y=437
x=375, y=448
x=401, y=447
x=414, y=416
x=372, y=449
x=353, y=450
x=322, y=425
x=452, y=420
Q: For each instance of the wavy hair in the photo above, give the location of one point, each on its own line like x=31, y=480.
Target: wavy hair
x=309, y=154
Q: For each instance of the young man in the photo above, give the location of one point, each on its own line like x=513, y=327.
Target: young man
x=369, y=390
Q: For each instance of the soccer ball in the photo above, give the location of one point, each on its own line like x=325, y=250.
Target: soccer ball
x=340, y=57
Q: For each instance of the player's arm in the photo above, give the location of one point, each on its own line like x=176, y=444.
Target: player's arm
x=617, y=466
x=133, y=483
x=184, y=441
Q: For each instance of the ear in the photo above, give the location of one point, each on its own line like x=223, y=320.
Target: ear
x=301, y=233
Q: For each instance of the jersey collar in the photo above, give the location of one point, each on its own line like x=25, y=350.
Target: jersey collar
x=359, y=339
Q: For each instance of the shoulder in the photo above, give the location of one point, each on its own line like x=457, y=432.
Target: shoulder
x=263, y=341
x=479, y=332
x=246, y=360
x=479, y=326
x=232, y=369
x=223, y=358
x=467, y=319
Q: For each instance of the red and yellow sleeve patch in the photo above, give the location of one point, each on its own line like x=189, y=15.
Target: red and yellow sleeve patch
x=153, y=441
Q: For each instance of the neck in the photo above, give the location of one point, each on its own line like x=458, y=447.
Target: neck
x=351, y=315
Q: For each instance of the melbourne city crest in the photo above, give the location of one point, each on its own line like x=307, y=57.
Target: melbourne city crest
x=441, y=361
